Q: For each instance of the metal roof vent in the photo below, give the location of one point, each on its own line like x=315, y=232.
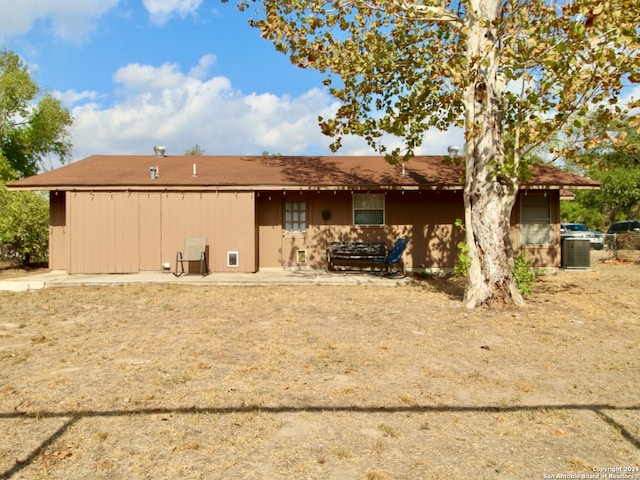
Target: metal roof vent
x=159, y=150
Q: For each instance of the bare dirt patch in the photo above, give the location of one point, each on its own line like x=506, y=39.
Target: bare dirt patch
x=358, y=382
x=13, y=269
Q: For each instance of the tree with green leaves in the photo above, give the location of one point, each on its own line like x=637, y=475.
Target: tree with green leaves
x=616, y=165
x=195, y=150
x=527, y=70
x=24, y=220
x=32, y=125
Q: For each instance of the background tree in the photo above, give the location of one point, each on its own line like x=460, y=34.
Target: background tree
x=31, y=125
x=24, y=221
x=616, y=164
x=195, y=150
x=530, y=68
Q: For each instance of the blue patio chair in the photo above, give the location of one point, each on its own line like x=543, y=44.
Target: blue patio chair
x=394, y=257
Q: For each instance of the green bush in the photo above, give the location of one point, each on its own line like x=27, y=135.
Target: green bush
x=524, y=274
x=464, y=260
x=24, y=225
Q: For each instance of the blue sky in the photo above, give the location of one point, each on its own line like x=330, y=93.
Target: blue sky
x=139, y=73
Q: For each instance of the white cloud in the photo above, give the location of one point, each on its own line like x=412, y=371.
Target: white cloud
x=200, y=71
x=162, y=105
x=161, y=11
x=71, y=20
x=148, y=78
x=74, y=20
x=71, y=97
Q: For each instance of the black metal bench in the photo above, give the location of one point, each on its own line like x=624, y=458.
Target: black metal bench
x=362, y=254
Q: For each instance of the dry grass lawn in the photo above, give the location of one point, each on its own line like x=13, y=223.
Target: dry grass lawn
x=320, y=382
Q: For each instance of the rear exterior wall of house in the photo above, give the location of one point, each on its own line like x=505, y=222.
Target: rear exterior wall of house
x=124, y=232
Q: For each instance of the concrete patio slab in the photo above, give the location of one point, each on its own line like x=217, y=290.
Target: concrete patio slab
x=57, y=278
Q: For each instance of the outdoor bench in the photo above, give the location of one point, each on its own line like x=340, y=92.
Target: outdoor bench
x=362, y=254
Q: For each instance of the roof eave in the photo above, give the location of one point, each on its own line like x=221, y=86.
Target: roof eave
x=255, y=188
x=252, y=188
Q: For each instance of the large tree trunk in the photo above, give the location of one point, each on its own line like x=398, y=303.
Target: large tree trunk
x=489, y=193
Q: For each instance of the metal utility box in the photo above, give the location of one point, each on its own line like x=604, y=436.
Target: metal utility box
x=576, y=253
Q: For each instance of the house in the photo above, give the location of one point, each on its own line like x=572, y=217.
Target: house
x=118, y=214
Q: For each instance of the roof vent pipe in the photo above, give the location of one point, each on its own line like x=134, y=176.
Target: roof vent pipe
x=153, y=173
x=159, y=150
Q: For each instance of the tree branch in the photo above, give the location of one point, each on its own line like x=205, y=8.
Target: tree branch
x=433, y=13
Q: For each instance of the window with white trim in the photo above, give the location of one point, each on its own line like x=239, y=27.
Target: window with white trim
x=535, y=219
x=368, y=209
x=295, y=216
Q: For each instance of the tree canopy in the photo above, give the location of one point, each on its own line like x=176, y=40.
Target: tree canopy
x=526, y=70
x=616, y=164
x=195, y=150
x=32, y=125
x=401, y=67
x=24, y=220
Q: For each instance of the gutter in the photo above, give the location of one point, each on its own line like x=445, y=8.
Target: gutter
x=232, y=188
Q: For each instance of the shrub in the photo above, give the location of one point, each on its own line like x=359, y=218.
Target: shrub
x=24, y=225
x=524, y=274
x=464, y=259
x=628, y=241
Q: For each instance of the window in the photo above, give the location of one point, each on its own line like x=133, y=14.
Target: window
x=295, y=216
x=535, y=219
x=368, y=209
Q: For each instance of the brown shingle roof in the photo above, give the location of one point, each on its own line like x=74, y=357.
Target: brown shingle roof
x=119, y=172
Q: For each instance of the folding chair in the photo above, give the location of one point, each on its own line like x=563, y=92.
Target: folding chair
x=395, y=255
x=195, y=250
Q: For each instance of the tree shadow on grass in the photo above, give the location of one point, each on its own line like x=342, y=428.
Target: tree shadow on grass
x=451, y=285
x=74, y=417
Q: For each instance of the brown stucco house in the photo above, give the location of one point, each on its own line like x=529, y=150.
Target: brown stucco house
x=125, y=213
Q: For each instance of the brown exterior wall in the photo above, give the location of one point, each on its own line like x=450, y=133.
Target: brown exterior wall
x=426, y=218
x=103, y=232
x=227, y=219
x=125, y=232
x=121, y=232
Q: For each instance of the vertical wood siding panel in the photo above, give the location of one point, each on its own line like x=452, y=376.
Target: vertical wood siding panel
x=88, y=233
x=235, y=230
x=149, y=218
x=103, y=232
x=269, y=225
x=58, y=239
x=172, y=228
x=127, y=243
